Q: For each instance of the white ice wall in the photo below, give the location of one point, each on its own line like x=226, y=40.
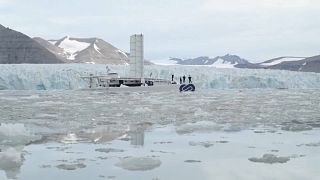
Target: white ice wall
x=136, y=56
x=68, y=76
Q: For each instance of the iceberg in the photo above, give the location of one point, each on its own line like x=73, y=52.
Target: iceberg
x=68, y=76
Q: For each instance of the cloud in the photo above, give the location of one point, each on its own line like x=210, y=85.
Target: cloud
x=256, y=29
x=244, y=5
x=76, y=20
x=6, y=2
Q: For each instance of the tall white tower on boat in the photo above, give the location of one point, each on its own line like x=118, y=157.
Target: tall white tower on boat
x=136, y=56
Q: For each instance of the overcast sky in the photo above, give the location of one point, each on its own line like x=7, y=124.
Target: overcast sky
x=253, y=29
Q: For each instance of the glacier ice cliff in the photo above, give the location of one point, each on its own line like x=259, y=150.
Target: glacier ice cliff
x=68, y=76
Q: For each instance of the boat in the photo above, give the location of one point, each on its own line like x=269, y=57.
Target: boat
x=136, y=76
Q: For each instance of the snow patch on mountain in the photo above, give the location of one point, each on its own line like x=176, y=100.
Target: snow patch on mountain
x=165, y=62
x=96, y=48
x=226, y=61
x=121, y=52
x=72, y=47
x=53, y=42
x=221, y=63
x=280, y=60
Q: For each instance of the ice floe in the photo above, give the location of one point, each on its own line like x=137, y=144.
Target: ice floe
x=270, y=159
x=200, y=126
x=71, y=166
x=109, y=150
x=296, y=127
x=192, y=161
x=139, y=163
x=204, y=144
x=315, y=144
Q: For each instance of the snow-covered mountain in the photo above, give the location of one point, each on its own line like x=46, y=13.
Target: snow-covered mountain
x=310, y=64
x=17, y=48
x=85, y=50
x=279, y=60
x=226, y=61
x=291, y=63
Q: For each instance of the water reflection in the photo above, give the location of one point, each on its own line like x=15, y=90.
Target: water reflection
x=137, y=135
x=77, y=154
x=11, y=161
x=13, y=138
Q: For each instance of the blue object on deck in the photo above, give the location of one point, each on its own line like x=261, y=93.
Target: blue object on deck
x=187, y=87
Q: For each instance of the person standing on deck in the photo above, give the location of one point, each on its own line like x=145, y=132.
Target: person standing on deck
x=189, y=77
x=172, y=77
x=184, y=78
x=180, y=80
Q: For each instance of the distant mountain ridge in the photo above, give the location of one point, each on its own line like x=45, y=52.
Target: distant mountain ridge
x=310, y=64
x=292, y=63
x=226, y=61
x=17, y=48
x=279, y=60
x=85, y=50
x=205, y=60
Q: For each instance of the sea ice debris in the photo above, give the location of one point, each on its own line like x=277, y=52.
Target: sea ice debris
x=139, y=163
x=270, y=159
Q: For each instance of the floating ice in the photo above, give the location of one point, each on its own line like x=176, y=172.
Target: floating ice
x=13, y=130
x=71, y=138
x=164, y=152
x=71, y=166
x=16, y=134
x=201, y=126
x=313, y=144
x=270, y=159
x=108, y=150
x=45, y=166
x=200, y=112
x=235, y=127
x=139, y=163
x=102, y=133
x=204, y=144
x=296, y=127
x=316, y=144
x=192, y=161
x=163, y=142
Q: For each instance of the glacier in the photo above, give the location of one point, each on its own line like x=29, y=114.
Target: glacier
x=68, y=76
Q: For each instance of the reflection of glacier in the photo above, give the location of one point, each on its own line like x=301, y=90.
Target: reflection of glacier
x=67, y=76
x=10, y=161
x=13, y=138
